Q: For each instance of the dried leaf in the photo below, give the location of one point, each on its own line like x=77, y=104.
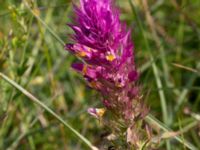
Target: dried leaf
x=132, y=137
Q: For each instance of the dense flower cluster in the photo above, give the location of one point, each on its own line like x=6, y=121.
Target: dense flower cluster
x=104, y=45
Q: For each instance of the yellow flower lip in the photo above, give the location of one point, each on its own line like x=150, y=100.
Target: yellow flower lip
x=110, y=57
x=100, y=112
x=97, y=112
x=81, y=54
x=84, y=69
x=93, y=84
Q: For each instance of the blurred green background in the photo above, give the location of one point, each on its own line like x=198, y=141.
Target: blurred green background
x=166, y=35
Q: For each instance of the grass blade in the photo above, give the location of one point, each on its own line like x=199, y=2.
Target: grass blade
x=155, y=69
x=38, y=102
x=159, y=84
x=151, y=119
x=45, y=25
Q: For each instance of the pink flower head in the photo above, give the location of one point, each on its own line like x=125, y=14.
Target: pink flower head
x=105, y=45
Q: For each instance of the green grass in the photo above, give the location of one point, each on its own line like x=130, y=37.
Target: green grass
x=166, y=35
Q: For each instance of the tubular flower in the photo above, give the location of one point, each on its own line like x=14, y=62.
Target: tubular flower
x=104, y=44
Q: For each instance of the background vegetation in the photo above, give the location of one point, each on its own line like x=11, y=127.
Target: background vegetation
x=166, y=34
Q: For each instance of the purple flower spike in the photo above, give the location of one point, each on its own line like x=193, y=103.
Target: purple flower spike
x=105, y=45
